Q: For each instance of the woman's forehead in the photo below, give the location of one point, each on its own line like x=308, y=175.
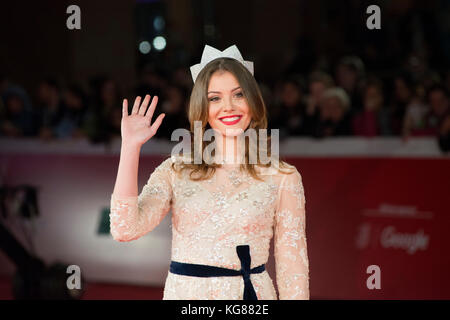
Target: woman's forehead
x=223, y=81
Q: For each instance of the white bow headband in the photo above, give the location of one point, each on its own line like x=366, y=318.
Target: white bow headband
x=210, y=53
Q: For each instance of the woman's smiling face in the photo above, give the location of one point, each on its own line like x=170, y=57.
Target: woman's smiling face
x=229, y=112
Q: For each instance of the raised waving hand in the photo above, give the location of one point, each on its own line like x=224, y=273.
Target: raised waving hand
x=136, y=128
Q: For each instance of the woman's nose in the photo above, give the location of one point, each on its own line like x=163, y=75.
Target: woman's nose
x=228, y=104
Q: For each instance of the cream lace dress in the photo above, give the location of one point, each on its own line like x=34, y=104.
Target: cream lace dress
x=210, y=218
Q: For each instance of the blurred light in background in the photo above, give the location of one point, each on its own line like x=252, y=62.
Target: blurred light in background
x=150, y=19
x=144, y=47
x=159, y=23
x=159, y=43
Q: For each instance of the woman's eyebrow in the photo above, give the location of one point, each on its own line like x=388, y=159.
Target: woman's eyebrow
x=219, y=91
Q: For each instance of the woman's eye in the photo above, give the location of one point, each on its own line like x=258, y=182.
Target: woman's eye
x=239, y=94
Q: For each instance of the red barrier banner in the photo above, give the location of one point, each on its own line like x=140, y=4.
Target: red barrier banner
x=382, y=216
x=377, y=228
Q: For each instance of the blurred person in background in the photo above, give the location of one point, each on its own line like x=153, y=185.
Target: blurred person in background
x=438, y=99
x=334, y=118
x=17, y=117
x=319, y=82
x=403, y=95
x=414, y=120
x=374, y=119
x=416, y=65
x=431, y=118
x=74, y=114
x=174, y=106
x=102, y=110
x=50, y=108
x=349, y=75
x=113, y=121
x=288, y=115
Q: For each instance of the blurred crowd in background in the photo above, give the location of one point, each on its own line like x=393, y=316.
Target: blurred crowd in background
x=347, y=100
x=352, y=82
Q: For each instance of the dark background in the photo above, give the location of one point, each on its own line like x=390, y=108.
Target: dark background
x=286, y=40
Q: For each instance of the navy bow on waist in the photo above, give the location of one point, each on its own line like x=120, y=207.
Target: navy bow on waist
x=199, y=270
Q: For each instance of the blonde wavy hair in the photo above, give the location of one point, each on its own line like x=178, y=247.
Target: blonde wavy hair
x=199, y=110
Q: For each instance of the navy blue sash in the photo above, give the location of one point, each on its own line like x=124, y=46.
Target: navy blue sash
x=200, y=270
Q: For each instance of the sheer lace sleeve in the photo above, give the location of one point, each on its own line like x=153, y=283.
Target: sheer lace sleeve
x=290, y=249
x=132, y=217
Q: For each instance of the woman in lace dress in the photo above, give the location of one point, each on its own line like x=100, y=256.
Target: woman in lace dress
x=224, y=212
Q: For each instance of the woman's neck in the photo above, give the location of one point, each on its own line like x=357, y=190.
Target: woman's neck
x=228, y=151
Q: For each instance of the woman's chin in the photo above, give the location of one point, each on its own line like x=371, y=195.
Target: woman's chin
x=232, y=132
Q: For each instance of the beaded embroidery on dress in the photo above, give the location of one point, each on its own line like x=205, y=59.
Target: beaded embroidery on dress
x=211, y=217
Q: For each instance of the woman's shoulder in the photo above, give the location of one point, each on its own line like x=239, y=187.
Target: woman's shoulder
x=278, y=173
x=171, y=158
x=279, y=168
x=287, y=166
x=172, y=162
x=166, y=164
x=292, y=178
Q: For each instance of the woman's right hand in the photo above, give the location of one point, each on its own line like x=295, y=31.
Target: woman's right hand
x=136, y=128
